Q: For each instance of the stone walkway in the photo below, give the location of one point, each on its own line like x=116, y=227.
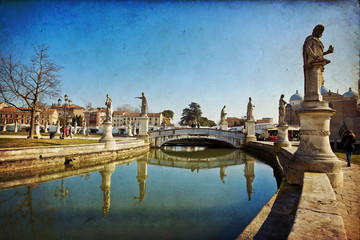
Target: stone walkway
x=349, y=200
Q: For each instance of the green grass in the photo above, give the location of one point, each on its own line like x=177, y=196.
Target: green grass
x=13, y=142
x=355, y=157
x=42, y=134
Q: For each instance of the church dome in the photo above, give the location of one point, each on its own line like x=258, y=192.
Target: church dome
x=323, y=90
x=350, y=94
x=296, y=97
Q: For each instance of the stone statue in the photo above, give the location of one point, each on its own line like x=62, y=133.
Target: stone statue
x=313, y=53
x=249, y=113
x=144, y=107
x=37, y=115
x=282, y=104
x=109, y=109
x=223, y=115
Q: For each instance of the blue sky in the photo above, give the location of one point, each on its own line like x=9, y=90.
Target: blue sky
x=214, y=53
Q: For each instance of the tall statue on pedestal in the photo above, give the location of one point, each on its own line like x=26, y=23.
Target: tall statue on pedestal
x=109, y=109
x=107, y=136
x=250, y=123
x=314, y=153
x=144, y=107
x=282, y=139
x=143, y=120
x=249, y=112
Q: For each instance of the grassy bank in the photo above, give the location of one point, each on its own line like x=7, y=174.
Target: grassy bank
x=13, y=142
x=355, y=157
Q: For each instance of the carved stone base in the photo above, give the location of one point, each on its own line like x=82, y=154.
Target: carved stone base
x=37, y=131
x=282, y=139
x=143, y=128
x=107, y=137
x=250, y=131
x=224, y=126
x=314, y=153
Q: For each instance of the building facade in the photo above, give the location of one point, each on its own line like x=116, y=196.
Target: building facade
x=12, y=115
x=123, y=119
x=94, y=117
x=347, y=116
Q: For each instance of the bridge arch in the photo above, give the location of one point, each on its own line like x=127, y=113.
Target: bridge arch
x=191, y=136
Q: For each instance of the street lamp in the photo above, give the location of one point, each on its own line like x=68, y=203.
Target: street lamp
x=66, y=105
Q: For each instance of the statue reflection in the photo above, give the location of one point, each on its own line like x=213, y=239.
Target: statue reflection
x=106, y=186
x=64, y=191
x=141, y=177
x=249, y=174
x=222, y=173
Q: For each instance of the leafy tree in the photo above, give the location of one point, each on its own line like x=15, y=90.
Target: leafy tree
x=25, y=85
x=168, y=114
x=191, y=115
x=206, y=122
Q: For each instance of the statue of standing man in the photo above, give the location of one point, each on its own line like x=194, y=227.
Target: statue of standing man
x=249, y=113
x=282, y=104
x=109, y=109
x=313, y=53
x=144, y=107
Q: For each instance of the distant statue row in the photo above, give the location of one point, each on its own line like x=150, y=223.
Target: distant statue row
x=250, y=107
x=109, y=107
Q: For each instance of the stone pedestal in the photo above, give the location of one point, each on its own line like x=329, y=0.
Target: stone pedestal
x=143, y=128
x=130, y=131
x=58, y=128
x=134, y=130
x=224, y=125
x=107, y=136
x=314, y=80
x=16, y=127
x=4, y=128
x=282, y=139
x=250, y=130
x=37, y=131
x=314, y=153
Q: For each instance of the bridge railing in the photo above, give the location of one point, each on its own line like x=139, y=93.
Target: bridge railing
x=196, y=131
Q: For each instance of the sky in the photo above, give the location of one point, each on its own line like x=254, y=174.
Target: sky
x=214, y=53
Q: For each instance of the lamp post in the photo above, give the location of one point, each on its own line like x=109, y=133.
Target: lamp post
x=66, y=108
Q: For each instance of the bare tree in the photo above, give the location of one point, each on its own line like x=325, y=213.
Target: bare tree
x=128, y=108
x=25, y=85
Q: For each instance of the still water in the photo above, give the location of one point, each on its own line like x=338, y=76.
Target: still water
x=171, y=193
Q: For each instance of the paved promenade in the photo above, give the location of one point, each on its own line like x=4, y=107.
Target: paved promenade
x=349, y=200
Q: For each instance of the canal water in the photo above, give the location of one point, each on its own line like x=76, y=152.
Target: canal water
x=170, y=193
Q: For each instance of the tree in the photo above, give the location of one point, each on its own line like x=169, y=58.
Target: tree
x=191, y=115
x=206, y=122
x=128, y=108
x=168, y=114
x=25, y=85
x=78, y=119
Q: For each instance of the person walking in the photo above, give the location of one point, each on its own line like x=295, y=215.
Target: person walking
x=348, y=140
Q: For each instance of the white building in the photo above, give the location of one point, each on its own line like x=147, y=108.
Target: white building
x=122, y=119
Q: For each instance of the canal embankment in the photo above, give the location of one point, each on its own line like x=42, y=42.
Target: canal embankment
x=45, y=157
x=310, y=211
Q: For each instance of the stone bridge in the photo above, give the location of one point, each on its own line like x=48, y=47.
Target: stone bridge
x=195, y=136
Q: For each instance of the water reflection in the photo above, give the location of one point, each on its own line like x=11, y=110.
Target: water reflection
x=141, y=177
x=106, y=186
x=249, y=171
x=224, y=181
x=222, y=173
